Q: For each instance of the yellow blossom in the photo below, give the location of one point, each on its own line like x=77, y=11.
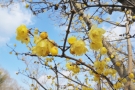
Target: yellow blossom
x=131, y=75
x=95, y=34
x=36, y=31
x=41, y=48
x=118, y=63
x=133, y=17
x=69, y=65
x=71, y=40
x=22, y=34
x=107, y=59
x=54, y=51
x=112, y=56
x=76, y=69
x=43, y=35
x=117, y=85
x=27, y=5
x=22, y=31
x=48, y=77
x=86, y=88
x=96, y=45
x=103, y=50
x=124, y=80
x=78, y=48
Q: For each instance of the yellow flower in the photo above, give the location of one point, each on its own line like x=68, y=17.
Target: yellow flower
x=107, y=59
x=22, y=31
x=22, y=34
x=43, y=35
x=76, y=69
x=96, y=45
x=10, y=52
x=36, y=31
x=105, y=72
x=95, y=34
x=112, y=56
x=133, y=17
x=124, y=80
x=80, y=18
x=48, y=77
x=69, y=66
x=37, y=39
x=103, y=88
x=117, y=85
x=41, y=49
x=25, y=40
x=86, y=88
x=71, y=40
x=103, y=50
x=131, y=75
x=96, y=77
x=54, y=51
x=97, y=64
x=27, y=5
x=118, y=63
x=78, y=47
x=50, y=44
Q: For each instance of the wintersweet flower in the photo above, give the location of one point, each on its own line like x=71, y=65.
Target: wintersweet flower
x=22, y=34
x=22, y=31
x=118, y=63
x=37, y=39
x=36, y=31
x=131, y=75
x=96, y=45
x=73, y=67
x=96, y=77
x=76, y=69
x=86, y=88
x=78, y=48
x=71, y=40
x=69, y=66
x=95, y=34
x=43, y=35
x=27, y=5
x=112, y=56
x=54, y=50
x=124, y=80
x=103, y=50
x=117, y=85
x=41, y=48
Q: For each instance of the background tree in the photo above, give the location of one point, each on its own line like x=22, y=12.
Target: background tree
x=7, y=83
x=84, y=51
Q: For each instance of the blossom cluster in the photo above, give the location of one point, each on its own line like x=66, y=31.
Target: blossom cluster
x=73, y=67
x=77, y=46
x=43, y=46
x=23, y=34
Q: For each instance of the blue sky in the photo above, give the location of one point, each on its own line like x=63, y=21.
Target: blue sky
x=11, y=18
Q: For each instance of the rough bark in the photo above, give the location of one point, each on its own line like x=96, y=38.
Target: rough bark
x=128, y=3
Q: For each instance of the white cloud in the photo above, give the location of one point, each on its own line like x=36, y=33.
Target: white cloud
x=113, y=32
x=47, y=82
x=10, y=19
x=43, y=80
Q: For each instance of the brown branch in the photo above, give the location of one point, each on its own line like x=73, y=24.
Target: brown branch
x=129, y=49
x=56, y=72
x=72, y=79
x=33, y=79
x=38, y=83
x=67, y=32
